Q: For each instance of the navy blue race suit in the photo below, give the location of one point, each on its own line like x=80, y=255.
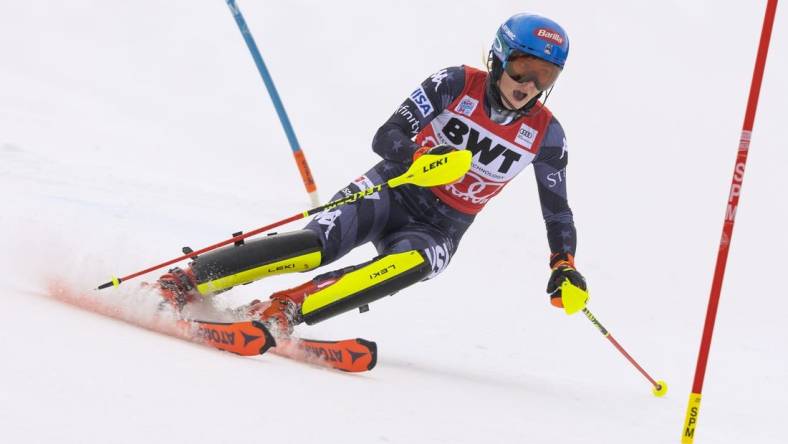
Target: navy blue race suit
x=413, y=218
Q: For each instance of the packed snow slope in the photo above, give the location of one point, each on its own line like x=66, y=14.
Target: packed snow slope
x=131, y=129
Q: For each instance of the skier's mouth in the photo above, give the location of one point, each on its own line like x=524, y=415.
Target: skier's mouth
x=519, y=95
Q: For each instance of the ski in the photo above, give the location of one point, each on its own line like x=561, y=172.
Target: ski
x=250, y=338
x=245, y=338
x=349, y=355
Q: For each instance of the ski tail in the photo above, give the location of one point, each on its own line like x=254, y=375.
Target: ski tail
x=251, y=338
x=350, y=355
x=248, y=338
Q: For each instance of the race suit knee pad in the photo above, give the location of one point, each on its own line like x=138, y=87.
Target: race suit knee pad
x=381, y=277
x=222, y=269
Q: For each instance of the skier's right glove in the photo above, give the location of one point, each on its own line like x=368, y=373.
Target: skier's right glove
x=437, y=149
x=563, y=266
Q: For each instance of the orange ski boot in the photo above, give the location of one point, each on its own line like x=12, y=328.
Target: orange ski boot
x=282, y=311
x=178, y=287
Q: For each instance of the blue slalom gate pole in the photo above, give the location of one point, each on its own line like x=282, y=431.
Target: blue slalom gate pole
x=298, y=153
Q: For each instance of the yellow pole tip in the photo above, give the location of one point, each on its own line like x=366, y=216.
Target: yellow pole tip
x=660, y=389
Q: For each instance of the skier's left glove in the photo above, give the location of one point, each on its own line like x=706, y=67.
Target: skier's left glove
x=563, y=266
x=437, y=149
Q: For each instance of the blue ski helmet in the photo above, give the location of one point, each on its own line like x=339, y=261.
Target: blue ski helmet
x=534, y=35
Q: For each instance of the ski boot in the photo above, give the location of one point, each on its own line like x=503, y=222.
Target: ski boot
x=178, y=287
x=282, y=311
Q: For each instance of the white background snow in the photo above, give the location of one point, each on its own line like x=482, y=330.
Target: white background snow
x=131, y=129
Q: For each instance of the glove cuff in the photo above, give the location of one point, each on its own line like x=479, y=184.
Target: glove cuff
x=421, y=151
x=561, y=259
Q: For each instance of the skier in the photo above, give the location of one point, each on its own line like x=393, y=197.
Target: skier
x=496, y=114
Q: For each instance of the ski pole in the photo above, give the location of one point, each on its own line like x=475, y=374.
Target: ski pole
x=659, y=387
x=427, y=171
x=574, y=299
x=298, y=153
x=693, y=404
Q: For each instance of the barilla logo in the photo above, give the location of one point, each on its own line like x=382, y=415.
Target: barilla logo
x=550, y=36
x=508, y=32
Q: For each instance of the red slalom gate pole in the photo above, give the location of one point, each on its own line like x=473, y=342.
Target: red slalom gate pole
x=693, y=406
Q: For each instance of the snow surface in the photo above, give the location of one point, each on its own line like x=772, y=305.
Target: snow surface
x=130, y=129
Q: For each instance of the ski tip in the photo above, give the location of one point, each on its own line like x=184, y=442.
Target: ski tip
x=373, y=351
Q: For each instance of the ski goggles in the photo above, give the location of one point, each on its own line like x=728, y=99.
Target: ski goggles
x=524, y=68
